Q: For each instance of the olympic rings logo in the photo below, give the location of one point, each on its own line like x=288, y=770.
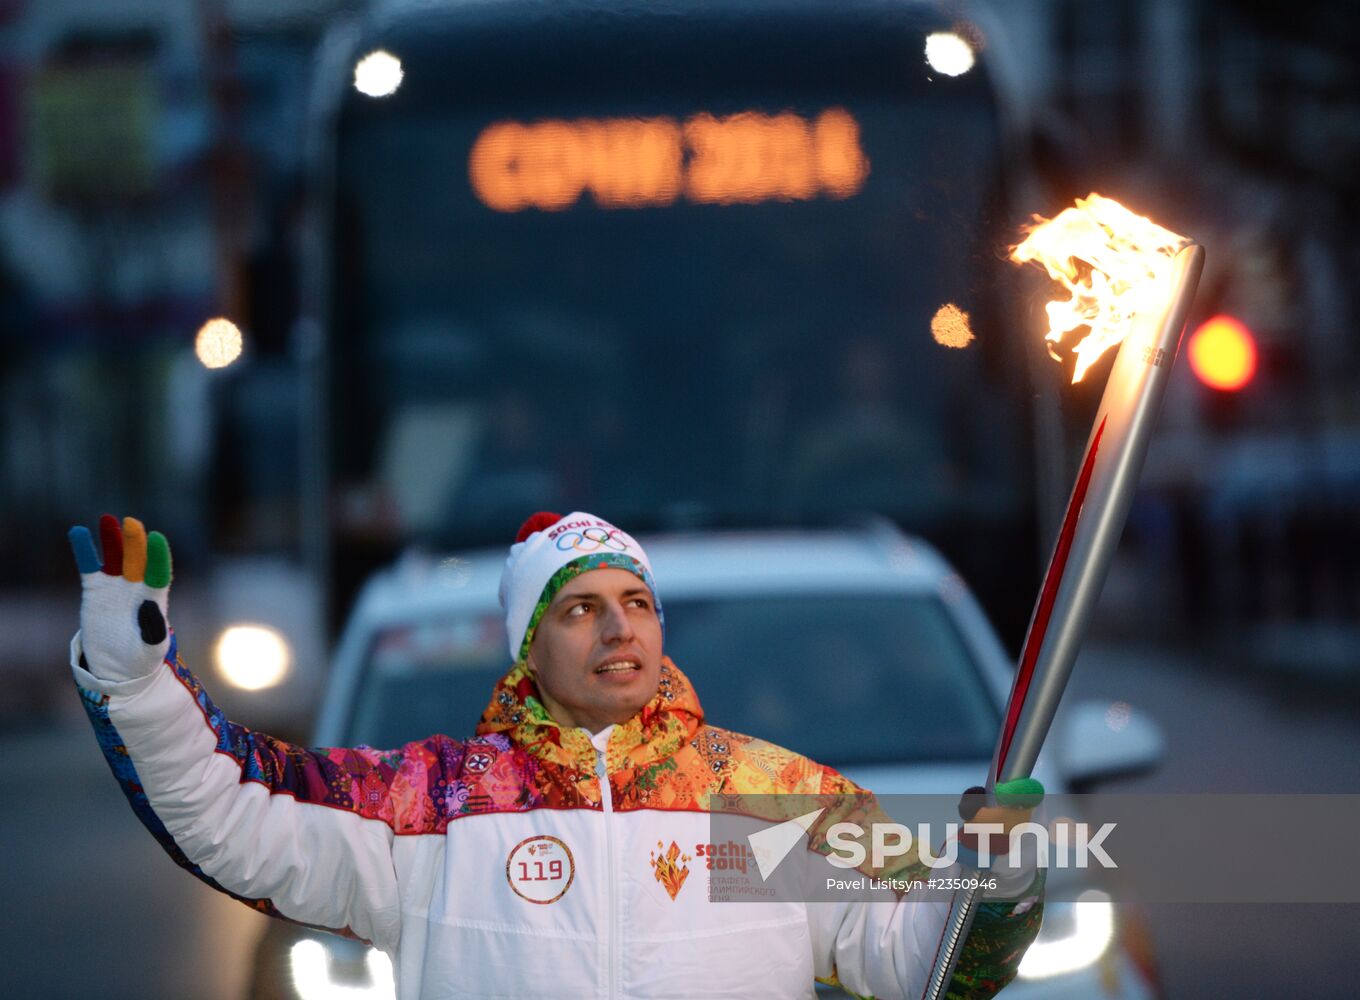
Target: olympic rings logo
x=592, y=540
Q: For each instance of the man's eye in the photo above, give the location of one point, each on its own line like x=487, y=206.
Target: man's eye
x=576, y=610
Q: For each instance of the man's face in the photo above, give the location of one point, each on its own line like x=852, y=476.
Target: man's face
x=597, y=650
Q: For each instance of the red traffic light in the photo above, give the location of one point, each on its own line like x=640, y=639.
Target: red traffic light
x=1223, y=353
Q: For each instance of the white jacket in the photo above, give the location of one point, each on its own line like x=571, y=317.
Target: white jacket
x=503, y=866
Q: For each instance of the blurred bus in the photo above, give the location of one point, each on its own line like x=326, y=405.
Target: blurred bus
x=679, y=264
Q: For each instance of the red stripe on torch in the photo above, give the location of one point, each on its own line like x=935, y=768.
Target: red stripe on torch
x=1035, y=640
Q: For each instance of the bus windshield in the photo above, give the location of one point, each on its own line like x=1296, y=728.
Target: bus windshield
x=668, y=301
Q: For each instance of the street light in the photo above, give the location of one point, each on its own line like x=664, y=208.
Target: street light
x=218, y=343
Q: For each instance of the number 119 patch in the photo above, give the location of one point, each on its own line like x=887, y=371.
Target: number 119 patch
x=540, y=869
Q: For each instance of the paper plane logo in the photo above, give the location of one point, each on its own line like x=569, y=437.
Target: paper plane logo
x=772, y=846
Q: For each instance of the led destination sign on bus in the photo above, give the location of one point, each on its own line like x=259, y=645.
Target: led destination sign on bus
x=646, y=162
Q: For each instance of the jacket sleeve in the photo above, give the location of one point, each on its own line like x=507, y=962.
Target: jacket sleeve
x=887, y=947
x=300, y=833
x=1001, y=934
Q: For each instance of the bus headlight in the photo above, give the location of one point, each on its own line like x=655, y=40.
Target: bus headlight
x=949, y=54
x=313, y=978
x=1074, y=936
x=378, y=74
x=252, y=657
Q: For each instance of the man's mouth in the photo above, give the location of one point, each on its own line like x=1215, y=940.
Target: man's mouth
x=618, y=667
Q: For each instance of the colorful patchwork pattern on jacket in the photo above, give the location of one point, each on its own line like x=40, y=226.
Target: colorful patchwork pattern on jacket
x=665, y=757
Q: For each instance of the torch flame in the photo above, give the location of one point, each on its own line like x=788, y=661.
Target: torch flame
x=1114, y=264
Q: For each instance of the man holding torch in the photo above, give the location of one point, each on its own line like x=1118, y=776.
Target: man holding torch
x=513, y=863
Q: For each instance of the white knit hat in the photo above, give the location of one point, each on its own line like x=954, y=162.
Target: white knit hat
x=549, y=551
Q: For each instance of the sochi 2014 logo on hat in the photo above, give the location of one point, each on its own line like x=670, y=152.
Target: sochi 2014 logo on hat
x=540, y=869
x=587, y=536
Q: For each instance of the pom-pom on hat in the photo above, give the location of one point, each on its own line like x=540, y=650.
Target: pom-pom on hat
x=537, y=522
x=551, y=550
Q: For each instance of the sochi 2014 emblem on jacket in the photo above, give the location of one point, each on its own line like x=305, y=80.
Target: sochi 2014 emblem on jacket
x=670, y=867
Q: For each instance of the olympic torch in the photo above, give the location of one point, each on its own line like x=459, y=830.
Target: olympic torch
x=1131, y=283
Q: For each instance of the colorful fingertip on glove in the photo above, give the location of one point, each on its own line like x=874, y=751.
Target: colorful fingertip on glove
x=124, y=599
x=1019, y=793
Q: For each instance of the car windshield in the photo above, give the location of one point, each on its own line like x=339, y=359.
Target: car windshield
x=845, y=678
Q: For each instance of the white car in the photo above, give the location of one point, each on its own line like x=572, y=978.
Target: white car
x=761, y=623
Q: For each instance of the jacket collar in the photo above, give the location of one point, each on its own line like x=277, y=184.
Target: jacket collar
x=655, y=733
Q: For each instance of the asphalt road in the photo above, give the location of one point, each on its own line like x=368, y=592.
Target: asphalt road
x=94, y=908
x=1230, y=728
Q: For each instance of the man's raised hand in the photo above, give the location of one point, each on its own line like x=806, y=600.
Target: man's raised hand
x=123, y=630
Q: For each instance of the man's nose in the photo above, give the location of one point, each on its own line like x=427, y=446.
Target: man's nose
x=617, y=627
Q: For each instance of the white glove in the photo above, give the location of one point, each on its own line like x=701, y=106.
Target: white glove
x=123, y=624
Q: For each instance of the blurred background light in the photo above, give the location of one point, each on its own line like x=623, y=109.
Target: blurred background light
x=252, y=657
x=950, y=327
x=949, y=54
x=1223, y=353
x=219, y=343
x=378, y=74
x=312, y=979
x=1074, y=936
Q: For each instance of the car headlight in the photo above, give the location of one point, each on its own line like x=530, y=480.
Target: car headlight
x=1074, y=936
x=252, y=657
x=314, y=977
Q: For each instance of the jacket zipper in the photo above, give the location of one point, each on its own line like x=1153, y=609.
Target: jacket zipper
x=607, y=803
